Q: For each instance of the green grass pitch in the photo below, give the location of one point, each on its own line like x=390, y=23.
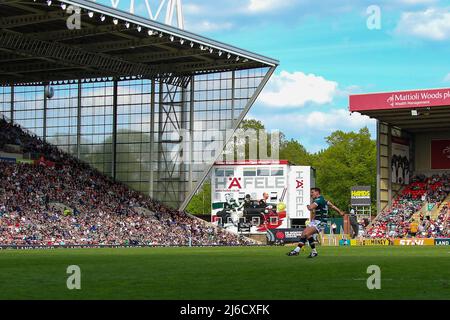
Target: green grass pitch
x=263, y=273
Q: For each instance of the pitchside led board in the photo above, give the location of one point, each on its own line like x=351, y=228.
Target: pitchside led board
x=238, y=188
x=361, y=196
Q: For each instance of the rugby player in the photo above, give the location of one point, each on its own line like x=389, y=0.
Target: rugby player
x=319, y=216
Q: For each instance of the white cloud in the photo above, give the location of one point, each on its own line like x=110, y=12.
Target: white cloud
x=191, y=8
x=208, y=26
x=296, y=89
x=267, y=5
x=431, y=24
x=316, y=121
x=414, y=2
x=310, y=129
x=447, y=78
x=337, y=119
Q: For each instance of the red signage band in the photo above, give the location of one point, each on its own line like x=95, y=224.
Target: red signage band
x=400, y=100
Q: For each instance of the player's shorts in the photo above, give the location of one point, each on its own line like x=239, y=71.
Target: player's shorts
x=318, y=225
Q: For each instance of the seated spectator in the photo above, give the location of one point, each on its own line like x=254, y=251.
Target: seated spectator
x=394, y=221
x=104, y=211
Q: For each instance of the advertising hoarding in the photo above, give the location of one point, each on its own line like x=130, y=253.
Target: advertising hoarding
x=284, y=235
x=414, y=242
x=361, y=196
x=442, y=242
x=400, y=100
x=265, y=194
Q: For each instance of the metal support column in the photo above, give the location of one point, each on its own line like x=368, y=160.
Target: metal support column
x=12, y=104
x=170, y=179
x=152, y=136
x=191, y=133
x=160, y=148
x=378, y=169
x=114, y=129
x=233, y=94
x=79, y=121
x=184, y=170
x=44, y=126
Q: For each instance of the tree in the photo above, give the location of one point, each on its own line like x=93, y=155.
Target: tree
x=252, y=124
x=295, y=153
x=349, y=160
x=248, y=137
x=201, y=202
x=290, y=150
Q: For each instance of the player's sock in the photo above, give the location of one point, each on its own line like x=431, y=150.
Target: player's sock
x=312, y=244
x=301, y=244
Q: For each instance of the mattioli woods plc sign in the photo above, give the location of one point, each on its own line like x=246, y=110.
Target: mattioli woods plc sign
x=399, y=100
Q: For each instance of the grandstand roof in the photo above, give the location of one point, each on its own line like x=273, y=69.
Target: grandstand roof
x=36, y=46
x=414, y=111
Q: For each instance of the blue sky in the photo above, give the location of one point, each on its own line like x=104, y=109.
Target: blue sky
x=327, y=52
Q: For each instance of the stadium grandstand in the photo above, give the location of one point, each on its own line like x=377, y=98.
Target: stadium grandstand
x=59, y=200
x=115, y=124
x=420, y=210
x=413, y=162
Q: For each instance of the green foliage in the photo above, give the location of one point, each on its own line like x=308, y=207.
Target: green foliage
x=252, y=124
x=201, y=202
x=349, y=160
x=295, y=153
x=253, y=129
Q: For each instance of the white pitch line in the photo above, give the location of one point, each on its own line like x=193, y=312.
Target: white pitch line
x=366, y=279
x=433, y=280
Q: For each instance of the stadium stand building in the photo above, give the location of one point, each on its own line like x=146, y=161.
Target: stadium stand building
x=143, y=102
x=413, y=136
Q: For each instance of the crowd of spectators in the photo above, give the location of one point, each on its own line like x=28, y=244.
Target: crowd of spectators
x=13, y=134
x=102, y=211
x=422, y=195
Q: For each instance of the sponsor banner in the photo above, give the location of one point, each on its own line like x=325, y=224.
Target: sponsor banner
x=442, y=242
x=25, y=161
x=266, y=194
x=440, y=154
x=400, y=163
x=370, y=242
x=284, y=235
x=361, y=196
x=413, y=242
x=299, y=186
x=400, y=100
x=345, y=243
x=10, y=160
